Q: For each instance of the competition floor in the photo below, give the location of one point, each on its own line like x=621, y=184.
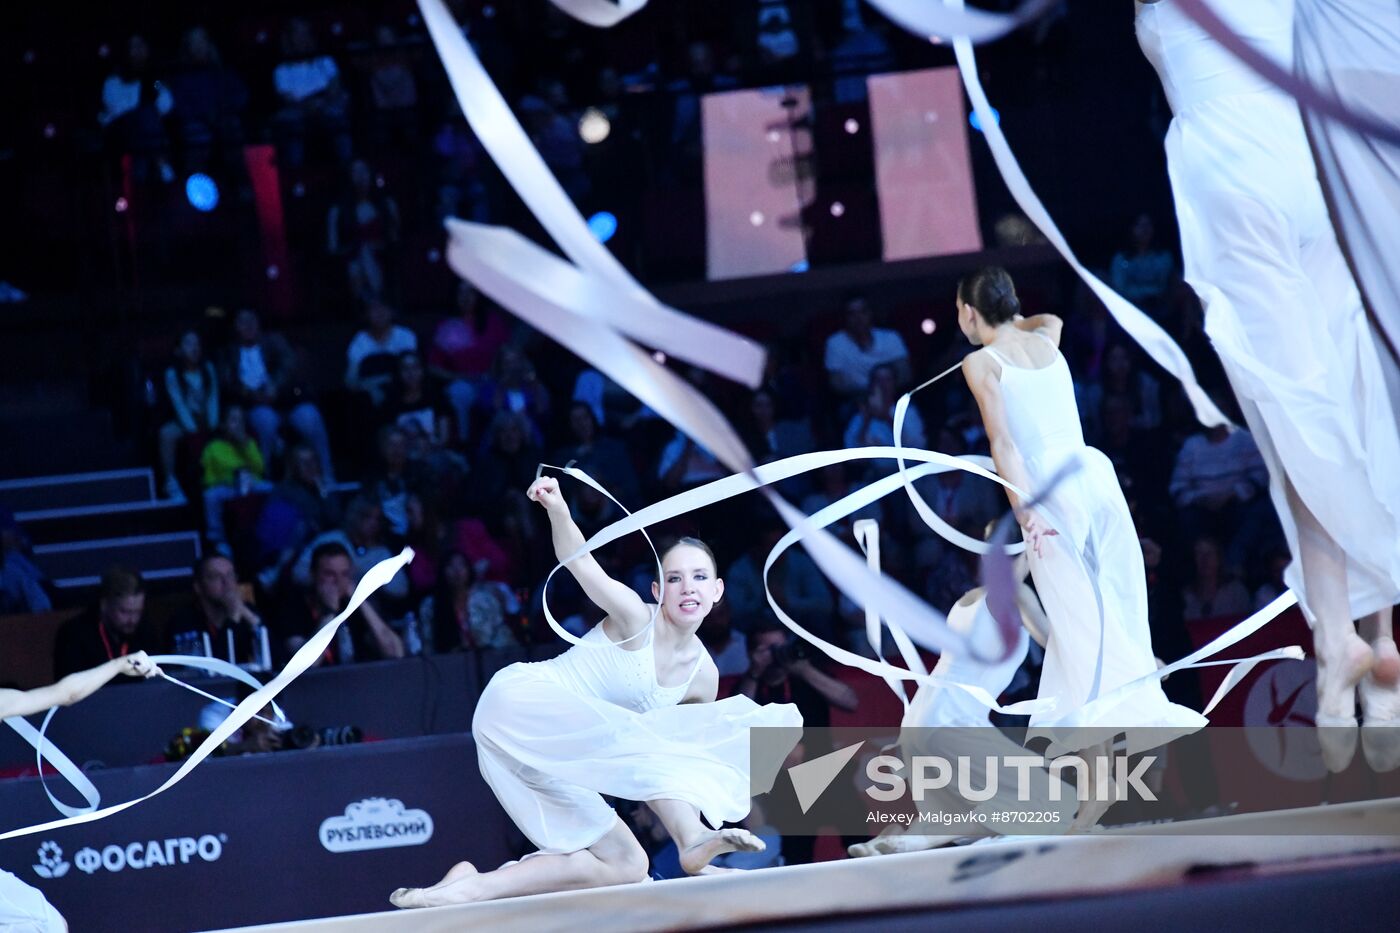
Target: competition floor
x=1157, y=878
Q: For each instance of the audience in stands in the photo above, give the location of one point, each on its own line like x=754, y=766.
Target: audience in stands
x=209, y=102
x=464, y=349
x=856, y=349
x=1210, y=594
x=372, y=357
x=1143, y=274
x=306, y=607
x=135, y=103
x=362, y=230
x=111, y=629
x=361, y=537
x=311, y=97
x=1219, y=486
x=217, y=612
x=233, y=467
x=463, y=612
x=261, y=371
x=21, y=583
x=192, y=392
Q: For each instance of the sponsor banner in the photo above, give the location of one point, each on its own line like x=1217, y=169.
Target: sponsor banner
x=987, y=781
x=236, y=844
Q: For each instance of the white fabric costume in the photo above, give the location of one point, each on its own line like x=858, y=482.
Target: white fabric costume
x=24, y=909
x=553, y=736
x=1281, y=307
x=1088, y=510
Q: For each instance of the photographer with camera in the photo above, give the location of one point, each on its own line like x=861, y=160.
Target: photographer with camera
x=781, y=671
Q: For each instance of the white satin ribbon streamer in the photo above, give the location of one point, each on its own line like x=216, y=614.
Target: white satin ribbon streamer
x=222, y=702
x=47, y=751
x=601, y=13
x=377, y=576
x=927, y=19
x=867, y=535
x=629, y=308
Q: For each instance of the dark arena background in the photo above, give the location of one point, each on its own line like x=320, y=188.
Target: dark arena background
x=245, y=360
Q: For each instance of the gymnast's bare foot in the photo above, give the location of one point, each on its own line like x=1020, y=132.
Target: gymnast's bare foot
x=1386, y=671
x=454, y=888
x=894, y=843
x=697, y=856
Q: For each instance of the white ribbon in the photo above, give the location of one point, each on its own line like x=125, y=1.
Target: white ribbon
x=377, y=576
x=601, y=13
x=70, y=772
x=927, y=19
x=867, y=535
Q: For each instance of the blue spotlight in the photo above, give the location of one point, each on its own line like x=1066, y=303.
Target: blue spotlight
x=603, y=225
x=977, y=124
x=202, y=192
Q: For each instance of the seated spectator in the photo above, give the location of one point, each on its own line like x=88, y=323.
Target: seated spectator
x=507, y=464
x=1140, y=273
x=192, y=390
x=372, y=357
x=234, y=631
x=873, y=424
x=603, y=458
x=21, y=583
x=361, y=538
x=298, y=509
x=856, y=349
x=833, y=485
x=781, y=670
x=555, y=136
x=395, y=479
x=1123, y=378
x=233, y=467
x=1208, y=596
x=209, y=101
x=393, y=93
x=772, y=439
x=259, y=370
x=330, y=581
x=514, y=387
x=308, y=88
x=135, y=104
x=463, y=613
x=461, y=191
x=362, y=229
x=464, y=350
x=958, y=497
x=797, y=584
x=684, y=464
x=1217, y=485
x=414, y=400
x=112, y=629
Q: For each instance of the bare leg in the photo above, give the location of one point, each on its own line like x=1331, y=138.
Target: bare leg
x=698, y=844
x=617, y=858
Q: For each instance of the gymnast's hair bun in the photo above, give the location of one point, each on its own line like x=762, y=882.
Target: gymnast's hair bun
x=991, y=291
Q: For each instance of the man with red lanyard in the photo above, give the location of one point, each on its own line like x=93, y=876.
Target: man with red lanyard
x=112, y=630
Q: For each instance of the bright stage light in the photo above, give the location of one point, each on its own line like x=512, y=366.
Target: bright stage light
x=202, y=192
x=603, y=225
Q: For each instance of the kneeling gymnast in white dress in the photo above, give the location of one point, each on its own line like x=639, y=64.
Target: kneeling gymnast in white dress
x=630, y=713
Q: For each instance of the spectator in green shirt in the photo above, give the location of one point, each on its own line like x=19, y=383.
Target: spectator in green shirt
x=233, y=467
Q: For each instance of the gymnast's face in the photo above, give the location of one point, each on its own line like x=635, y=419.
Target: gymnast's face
x=692, y=585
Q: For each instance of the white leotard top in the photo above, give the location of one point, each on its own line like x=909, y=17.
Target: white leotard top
x=1194, y=67
x=1041, y=411
x=627, y=678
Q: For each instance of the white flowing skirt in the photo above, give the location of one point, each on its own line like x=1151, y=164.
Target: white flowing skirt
x=1283, y=312
x=550, y=753
x=1088, y=510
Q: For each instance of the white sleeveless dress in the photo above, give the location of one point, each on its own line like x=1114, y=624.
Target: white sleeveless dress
x=24, y=909
x=935, y=705
x=1282, y=309
x=554, y=736
x=1088, y=510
